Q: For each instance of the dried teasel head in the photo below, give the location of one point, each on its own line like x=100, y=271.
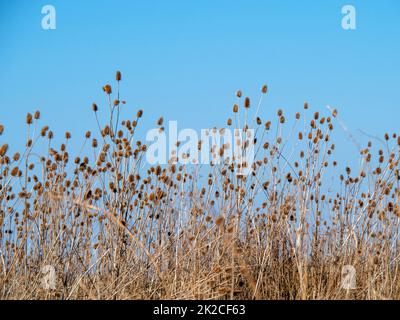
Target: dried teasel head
x=29, y=118
x=118, y=76
x=219, y=220
x=107, y=89
x=3, y=150
x=264, y=89
x=247, y=102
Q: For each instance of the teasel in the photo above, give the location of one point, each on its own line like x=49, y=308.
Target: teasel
x=43, y=132
x=247, y=102
x=16, y=156
x=3, y=150
x=94, y=107
x=14, y=171
x=107, y=89
x=264, y=89
x=29, y=118
x=219, y=220
x=118, y=76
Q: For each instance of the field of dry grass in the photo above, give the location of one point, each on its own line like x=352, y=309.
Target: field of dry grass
x=115, y=228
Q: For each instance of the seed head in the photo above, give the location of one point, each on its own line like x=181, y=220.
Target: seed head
x=107, y=89
x=219, y=220
x=3, y=150
x=118, y=76
x=247, y=102
x=29, y=118
x=264, y=89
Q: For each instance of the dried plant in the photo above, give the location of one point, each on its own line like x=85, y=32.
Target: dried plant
x=114, y=227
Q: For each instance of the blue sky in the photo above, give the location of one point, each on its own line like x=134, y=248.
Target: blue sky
x=185, y=60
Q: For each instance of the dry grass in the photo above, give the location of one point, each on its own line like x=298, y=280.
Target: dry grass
x=114, y=228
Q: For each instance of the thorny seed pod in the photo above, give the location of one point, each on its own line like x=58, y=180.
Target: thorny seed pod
x=118, y=76
x=29, y=118
x=264, y=89
x=107, y=89
x=247, y=102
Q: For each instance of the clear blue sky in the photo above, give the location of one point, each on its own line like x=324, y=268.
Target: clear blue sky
x=185, y=59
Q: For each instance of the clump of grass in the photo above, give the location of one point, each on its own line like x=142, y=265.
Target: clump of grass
x=116, y=228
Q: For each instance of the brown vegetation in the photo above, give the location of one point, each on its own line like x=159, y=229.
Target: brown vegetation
x=114, y=228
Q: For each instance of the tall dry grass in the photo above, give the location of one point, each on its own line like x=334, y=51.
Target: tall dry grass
x=115, y=228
